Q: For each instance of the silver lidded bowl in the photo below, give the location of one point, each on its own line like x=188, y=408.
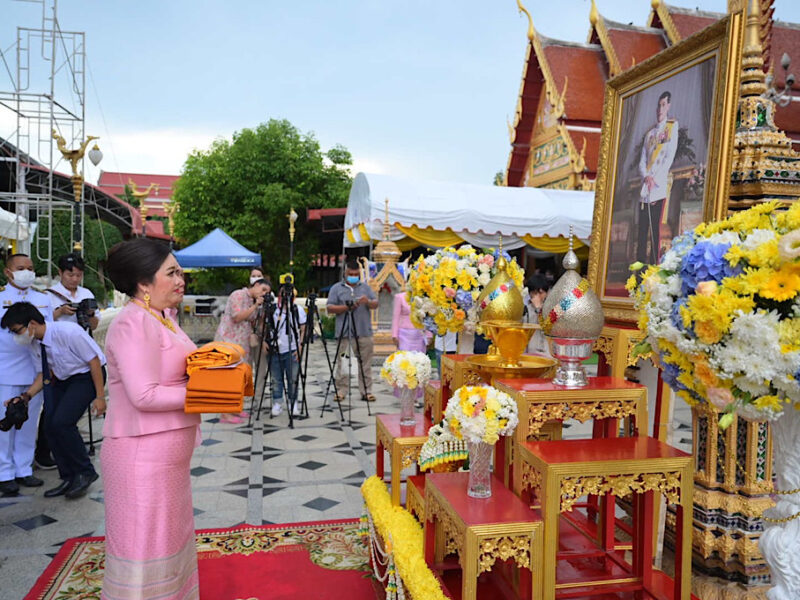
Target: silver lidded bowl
x=572, y=319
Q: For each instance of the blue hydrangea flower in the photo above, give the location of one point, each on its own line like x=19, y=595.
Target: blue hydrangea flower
x=675, y=314
x=705, y=262
x=463, y=299
x=670, y=375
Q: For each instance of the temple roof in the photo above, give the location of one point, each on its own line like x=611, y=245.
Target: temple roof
x=611, y=48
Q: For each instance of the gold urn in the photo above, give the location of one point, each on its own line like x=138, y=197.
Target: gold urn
x=501, y=300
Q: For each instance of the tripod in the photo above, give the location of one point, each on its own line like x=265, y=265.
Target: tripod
x=271, y=331
x=349, y=326
x=312, y=316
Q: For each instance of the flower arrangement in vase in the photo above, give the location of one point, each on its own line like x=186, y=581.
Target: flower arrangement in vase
x=407, y=371
x=443, y=287
x=722, y=313
x=722, y=316
x=480, y=415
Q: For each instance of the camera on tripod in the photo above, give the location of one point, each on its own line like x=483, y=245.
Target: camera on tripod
x=84, y=310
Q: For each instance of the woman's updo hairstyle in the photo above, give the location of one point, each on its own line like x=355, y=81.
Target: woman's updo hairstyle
x=133, y=262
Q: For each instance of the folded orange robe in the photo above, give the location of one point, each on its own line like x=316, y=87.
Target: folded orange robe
x=215, y=354
x=219, y=390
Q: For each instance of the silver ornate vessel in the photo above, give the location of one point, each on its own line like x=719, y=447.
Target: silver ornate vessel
x=572, y=319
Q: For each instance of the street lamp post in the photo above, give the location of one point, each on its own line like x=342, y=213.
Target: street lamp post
x=292, y=219
x=74, y=157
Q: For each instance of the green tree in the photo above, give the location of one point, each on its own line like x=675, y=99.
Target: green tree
x=99, y=237
x=247, y=186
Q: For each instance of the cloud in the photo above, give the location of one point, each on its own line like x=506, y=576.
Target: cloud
x=157, y=151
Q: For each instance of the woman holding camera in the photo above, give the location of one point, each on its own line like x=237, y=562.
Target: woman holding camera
x=236, y=325
x=148, y=438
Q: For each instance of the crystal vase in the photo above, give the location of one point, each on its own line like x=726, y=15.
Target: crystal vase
x=480, y=478
x=407, y=399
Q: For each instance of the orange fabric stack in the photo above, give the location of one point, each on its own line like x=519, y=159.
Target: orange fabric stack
x=219, y=379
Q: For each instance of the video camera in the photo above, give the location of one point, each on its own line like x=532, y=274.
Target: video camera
x=84, y=310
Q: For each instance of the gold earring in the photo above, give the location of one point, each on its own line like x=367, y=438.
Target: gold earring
x=147, y=300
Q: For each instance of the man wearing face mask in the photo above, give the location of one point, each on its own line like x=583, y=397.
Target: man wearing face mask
x=353, y=295
x=71, y=374
x=17, y=373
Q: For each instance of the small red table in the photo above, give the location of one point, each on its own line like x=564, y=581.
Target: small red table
x=540, y=401
x=563, y=471
x=481, y=531
x=403, y=443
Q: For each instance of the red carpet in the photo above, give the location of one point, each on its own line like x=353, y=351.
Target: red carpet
x=323, y=560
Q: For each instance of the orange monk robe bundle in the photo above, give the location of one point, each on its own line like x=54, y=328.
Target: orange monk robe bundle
x=218, y=379
x=215, y=354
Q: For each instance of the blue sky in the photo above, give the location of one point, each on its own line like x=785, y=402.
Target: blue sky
x=418, y=88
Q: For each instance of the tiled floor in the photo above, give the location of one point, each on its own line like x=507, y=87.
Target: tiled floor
x=258, y=475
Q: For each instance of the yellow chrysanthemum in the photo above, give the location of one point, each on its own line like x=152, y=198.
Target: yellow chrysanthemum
x=765, y=255
x=783, y=285
x=770, y=401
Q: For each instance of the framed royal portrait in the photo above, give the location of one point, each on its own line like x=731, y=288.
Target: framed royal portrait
x=665, y=156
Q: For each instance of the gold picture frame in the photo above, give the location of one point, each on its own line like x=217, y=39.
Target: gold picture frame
x=683, y=158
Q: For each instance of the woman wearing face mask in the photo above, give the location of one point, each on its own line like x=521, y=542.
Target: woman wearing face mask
x=236, y=325
x=17, y=446
x=148, y=438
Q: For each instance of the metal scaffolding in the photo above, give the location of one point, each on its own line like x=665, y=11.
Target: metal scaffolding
x=42, y=90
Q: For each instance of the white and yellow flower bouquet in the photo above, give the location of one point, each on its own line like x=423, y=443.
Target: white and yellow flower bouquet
x=406, y=369
x=480, y=413
x=722, y=313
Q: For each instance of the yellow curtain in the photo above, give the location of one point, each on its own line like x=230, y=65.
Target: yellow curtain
x=362, y=230
x=350, y=237
x=556, y=245
x=430, y=237
x=406, y=244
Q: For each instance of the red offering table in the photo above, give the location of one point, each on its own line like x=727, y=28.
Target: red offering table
x=481, y=531
x=540, y=401
x=403, y=443
x=561, y=472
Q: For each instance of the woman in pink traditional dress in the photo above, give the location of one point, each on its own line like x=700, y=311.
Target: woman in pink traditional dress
x=404, y=334
x=149, y=439
x=236, y=325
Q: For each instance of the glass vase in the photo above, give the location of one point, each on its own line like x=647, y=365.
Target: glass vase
x=480, y=477
x=407, y=399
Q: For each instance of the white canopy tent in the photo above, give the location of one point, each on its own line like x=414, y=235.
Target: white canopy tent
x=436, y=213
x=14, y=227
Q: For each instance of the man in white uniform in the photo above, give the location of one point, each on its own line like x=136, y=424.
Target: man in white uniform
x=17, y=373
x=658, y=152
x=69, y=291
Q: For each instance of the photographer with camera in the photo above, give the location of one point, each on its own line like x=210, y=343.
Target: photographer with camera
x=17, y=444
x=353, y=298
x=289, y=321
x=236, y=325
x=69, y=300
x=72, y=376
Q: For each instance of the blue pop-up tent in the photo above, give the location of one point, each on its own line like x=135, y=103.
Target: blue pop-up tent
x=217, y=249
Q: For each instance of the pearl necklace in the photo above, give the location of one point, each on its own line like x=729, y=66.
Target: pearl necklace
x=164, y=321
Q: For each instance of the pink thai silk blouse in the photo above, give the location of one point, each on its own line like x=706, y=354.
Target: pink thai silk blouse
x=146, y=374
x=401, y=316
